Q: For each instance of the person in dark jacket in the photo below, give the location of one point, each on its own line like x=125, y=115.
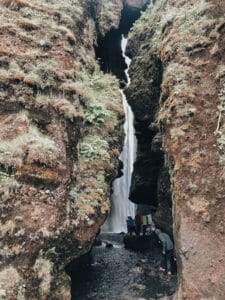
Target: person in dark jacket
x=167, y=250
x=144, y=224
x=130, y=225
x=138, y=222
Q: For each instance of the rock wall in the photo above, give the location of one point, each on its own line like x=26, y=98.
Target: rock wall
x=184, y=42
x=61, y=131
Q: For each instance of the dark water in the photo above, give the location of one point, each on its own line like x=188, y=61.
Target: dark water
x=121, y=274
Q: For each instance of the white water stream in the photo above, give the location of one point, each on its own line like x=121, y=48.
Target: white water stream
x=121, y=206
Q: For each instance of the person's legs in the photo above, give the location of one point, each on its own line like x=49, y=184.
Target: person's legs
x=163, y=263
x=138, y=229
x=144, y=229
x=129, y=230
x=168, y=257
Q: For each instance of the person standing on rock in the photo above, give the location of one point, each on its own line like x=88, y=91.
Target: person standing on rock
x=130, y=225
x=138, y=222
x=144, y=224
x=167, y=251
x=151, y=225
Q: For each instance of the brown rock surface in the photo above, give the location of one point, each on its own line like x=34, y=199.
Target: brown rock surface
x=187, y=37
x=60, y=131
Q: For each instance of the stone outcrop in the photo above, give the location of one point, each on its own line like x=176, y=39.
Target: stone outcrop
x=184, y=42
x=61, y=131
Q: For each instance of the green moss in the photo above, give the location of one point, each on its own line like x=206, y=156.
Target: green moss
x=13, y=65
x=82, y=197
x=101, y=178
x=60, y=104
x=93, y=147
x=189, y=14
x=4, y=61
x=69, y=81
x=159, y=15
x=4, y=76
x=33, y=79
x=98, y=91
x=220, y=130
x=46, y=44
x=98, y=87
x=43, y=268
x=44, y=75
x=38, y=146
x=97, y=114
x=12, y=286
x=7, y=182
x=108, y=17
x=177, y=76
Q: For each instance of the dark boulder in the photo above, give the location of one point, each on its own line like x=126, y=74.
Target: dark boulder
x=140, y=242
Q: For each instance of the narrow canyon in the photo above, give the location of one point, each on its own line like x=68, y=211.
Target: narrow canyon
x=64, y=86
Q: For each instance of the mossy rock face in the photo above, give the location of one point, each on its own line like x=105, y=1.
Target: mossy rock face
x=7, y=287
x=185, y=39
x=37, y=174
x=61, y=134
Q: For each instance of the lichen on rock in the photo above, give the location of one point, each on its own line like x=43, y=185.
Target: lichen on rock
x=185, y=40
x=61, y=132
x=43, y=268
x=13, y=288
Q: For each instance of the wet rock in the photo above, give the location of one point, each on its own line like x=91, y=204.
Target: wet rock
x=139, y=286
x=139, y=242
x=97, y=242
x=159, y=295
x=109, y=245
x=111, y=273
x=137, y=270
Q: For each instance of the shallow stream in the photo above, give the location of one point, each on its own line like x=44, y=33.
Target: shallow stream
x=121, y=274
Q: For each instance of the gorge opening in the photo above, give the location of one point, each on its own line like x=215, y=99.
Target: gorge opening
x=149, y=188
x=104, y=271
x=61, y=135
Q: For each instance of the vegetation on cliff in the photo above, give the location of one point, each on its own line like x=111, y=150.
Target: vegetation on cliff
x=60, y=133
x=187, y=38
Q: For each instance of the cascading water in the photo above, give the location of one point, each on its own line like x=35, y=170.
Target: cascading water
x=121, y=206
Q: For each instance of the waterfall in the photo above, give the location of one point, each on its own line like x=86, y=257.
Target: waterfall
x=121, y=206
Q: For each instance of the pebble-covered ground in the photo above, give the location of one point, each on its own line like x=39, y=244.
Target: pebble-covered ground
x=122, y=274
